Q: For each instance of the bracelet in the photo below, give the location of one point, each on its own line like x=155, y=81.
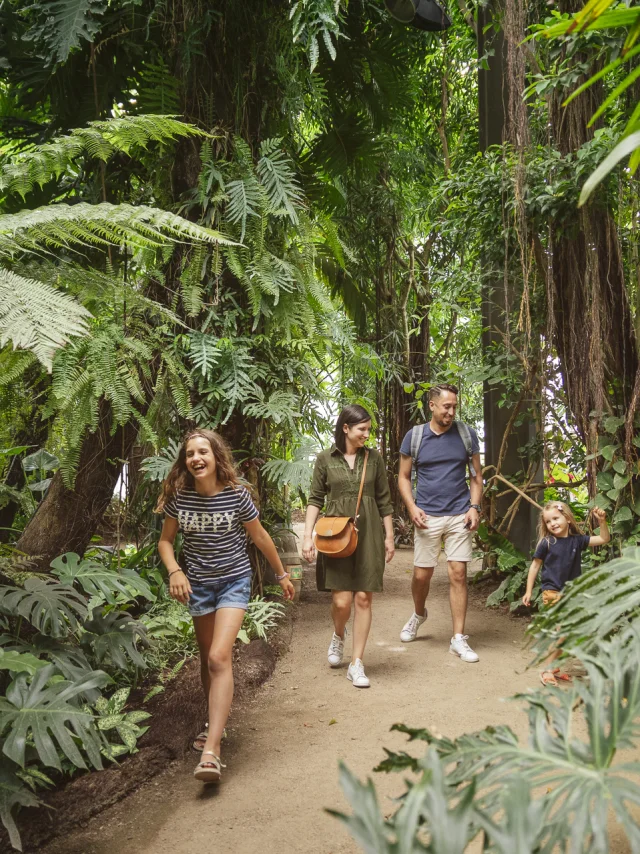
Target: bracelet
x=173, y=573
x=280, y=577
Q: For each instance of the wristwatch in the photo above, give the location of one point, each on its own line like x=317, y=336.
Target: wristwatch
x=477, y=507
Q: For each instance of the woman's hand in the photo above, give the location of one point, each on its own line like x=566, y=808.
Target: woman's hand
x=308, y=549
x=288, y=590
x=179, y=587
x=600, y=514
x=526, y=599
x=389, y=549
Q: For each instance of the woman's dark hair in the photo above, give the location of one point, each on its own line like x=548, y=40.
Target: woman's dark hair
x=352, y=414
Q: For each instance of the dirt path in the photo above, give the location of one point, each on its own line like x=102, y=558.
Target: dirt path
x=283, y=754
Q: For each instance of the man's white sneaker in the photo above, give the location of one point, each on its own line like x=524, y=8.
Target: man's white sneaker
x=411, y=627
x=461, y=648
x=356, y=674
x=336, y=650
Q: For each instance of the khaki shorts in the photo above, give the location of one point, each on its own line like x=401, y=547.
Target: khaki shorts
x=550, y=597
x=450, y=530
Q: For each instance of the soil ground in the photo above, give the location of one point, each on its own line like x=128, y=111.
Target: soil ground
x=283, y=753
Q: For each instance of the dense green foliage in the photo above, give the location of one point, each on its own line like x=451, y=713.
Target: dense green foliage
x=244, y=215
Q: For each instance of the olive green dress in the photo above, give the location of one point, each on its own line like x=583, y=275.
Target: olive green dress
x=334, y=481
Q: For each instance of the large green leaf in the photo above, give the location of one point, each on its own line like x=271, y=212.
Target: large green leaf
x=115, y=636
x=19, y=662
x=600, y=602
x=53, y=609
x=13, y=794
x=96, y=579
x=70, y=660
x=44, y=712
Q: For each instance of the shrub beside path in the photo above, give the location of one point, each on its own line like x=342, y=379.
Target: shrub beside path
x=283, y=751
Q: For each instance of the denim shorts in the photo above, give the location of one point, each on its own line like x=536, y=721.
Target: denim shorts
x=222, y=593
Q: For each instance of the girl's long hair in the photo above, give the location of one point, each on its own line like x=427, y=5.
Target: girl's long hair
x=180, y=478
x=351, y=415
x=543, y=531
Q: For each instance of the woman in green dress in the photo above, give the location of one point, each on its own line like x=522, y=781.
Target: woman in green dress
x=354, y=579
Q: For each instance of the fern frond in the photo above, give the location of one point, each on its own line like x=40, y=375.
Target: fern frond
x=14, y=364
x=100, y=140
x=36, y=317
x=62, y=226
x=191, y=281
x=275, y=170
x=156, y=89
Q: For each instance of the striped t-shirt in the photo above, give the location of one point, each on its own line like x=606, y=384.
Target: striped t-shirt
x=214, y=540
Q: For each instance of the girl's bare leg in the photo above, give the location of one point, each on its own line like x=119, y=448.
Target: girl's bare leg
x=340, y=610
x=361, y=624
x=220, y=631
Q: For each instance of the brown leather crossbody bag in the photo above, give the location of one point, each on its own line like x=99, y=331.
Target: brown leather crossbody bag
x=337, y=536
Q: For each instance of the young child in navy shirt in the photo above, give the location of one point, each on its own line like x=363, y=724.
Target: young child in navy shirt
x=559, y=552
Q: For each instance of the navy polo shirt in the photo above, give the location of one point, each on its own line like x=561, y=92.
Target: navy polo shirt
x=442, y=466
x=561, y=558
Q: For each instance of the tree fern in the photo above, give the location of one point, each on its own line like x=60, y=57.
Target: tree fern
x=313, y=20
x=100, y=140
x=36, y=317
x=156, y=89
x=275, y=170
x=61, y=25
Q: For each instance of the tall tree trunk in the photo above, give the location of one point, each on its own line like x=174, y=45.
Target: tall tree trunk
x=588, y=301
x=67, y=518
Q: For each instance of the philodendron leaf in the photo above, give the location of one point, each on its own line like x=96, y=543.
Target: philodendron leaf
x=20, y=662
x=53, y=609
x=45, y=712
x=70, y=661
x=13, y=795
x=98, y=580
x=115, y=636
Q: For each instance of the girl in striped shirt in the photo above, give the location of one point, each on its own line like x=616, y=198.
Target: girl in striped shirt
x=204, y=500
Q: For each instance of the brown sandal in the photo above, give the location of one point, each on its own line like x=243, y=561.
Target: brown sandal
x=209, y=770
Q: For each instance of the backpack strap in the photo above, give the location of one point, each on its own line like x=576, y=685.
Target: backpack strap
x=465, y=435
x=417, y=433
x=416, y=440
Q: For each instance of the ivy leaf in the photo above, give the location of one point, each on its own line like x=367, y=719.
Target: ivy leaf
x=624, y=514
x=53, y=609
x=612, y=424
x=43, y=712
x=620, y=466
x=620, y=482
x=608, y=451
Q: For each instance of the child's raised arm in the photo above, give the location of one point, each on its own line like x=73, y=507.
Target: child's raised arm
x=605, y=535
x=534, y=569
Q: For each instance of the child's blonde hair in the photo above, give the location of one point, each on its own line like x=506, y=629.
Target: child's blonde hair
x=543, y=531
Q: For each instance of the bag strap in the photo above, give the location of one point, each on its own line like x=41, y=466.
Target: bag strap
x=364, y=471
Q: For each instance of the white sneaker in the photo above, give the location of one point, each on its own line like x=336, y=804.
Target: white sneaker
x=336, y=649
x=460, y=647
x=356, y=674
x=410, y=629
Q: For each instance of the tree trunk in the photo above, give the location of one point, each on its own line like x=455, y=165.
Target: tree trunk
x=67, y=518
x=588, y=301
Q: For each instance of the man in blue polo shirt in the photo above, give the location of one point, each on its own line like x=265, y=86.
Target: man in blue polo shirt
x=443, y=509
